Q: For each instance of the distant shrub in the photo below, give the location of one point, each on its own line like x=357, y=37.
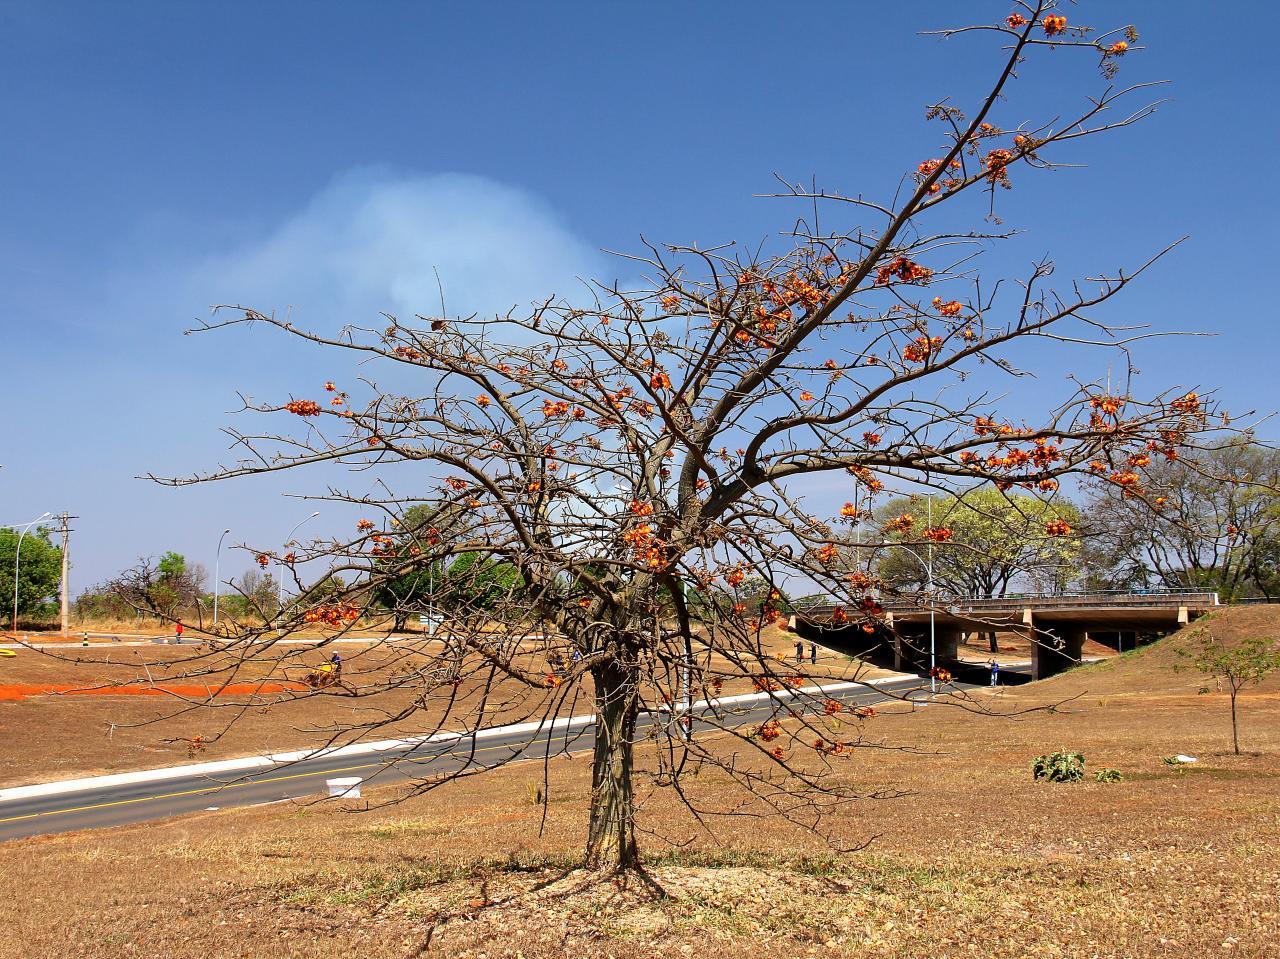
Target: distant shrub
x=1059, y=767
x=1108, y=775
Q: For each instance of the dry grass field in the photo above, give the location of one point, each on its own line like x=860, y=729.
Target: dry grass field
x=976, y=859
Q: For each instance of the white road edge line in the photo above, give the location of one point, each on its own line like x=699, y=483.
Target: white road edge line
x=249, y=763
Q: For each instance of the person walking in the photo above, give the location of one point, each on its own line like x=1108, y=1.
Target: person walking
x=813, y=654
x=177, y=631
x=995, y=673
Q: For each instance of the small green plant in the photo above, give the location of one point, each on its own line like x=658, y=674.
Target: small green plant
x=1108, y=775
x=1059, y=767
x=536, y=795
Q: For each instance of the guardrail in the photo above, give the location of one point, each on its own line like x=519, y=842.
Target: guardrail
x=1103, y=599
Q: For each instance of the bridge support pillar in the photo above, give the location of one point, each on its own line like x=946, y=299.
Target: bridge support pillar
x=911, y=649
x=1056, y=648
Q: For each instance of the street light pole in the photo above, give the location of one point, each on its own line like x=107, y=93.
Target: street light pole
x=17, y=556
x=933, y=646
x=280, y=564
x=217, y=560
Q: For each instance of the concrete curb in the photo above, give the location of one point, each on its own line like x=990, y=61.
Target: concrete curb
x=250, y=763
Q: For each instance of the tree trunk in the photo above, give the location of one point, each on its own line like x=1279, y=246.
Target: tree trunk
x=611, y=842
x=1235, y=729
x=994, y=643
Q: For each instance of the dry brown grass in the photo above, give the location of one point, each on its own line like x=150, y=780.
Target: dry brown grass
x=977, y=861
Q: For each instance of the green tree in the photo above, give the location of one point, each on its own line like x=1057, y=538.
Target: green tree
x=1213, y=524
x=1247, y=662
x=39, y=571
x=996, y=539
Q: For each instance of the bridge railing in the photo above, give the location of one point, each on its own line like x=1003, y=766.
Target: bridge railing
x=1097, y=598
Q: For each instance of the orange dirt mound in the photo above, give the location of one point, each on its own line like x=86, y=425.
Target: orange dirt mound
x=14, y=692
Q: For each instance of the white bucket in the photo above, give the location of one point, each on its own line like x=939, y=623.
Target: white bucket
x=347, y=786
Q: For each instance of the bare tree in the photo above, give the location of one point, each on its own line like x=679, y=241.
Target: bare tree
x=634, y=454
x=1212, y=522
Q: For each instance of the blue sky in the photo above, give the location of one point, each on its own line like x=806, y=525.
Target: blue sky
x=158, y=157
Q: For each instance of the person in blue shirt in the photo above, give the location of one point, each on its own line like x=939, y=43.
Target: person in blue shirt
x=995, y=673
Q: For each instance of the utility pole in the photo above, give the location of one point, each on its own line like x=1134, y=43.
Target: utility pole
x=65, y=589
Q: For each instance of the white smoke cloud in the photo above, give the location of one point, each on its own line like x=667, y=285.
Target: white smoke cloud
x=373, y=241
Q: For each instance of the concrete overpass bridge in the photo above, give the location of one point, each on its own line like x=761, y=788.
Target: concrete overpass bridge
x=1057, y=626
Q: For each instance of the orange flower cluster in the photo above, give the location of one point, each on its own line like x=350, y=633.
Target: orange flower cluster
x=806, y=396
x=832, y=706
x=865, y=477
x=949, y=308
x=834, y=368
x=900, y=524
x=1044, y=454
x=1054, y=24
x=769, y=731
x=1126, y=478
x=1117, y=49
x=763, y=684
x=482, y=401
x=858, y=580
x=941, y=674
x=922, y=348
x=1110, y=405
x=1047, y=485
x=1015, y=20
x=1059, y=527
x=936, y=534
x=263, y=560
x=986, y=426
x=364, y=525
x=827, y=554
x=332, y=615
x=839, y=617
x=670, y=302
x=456, y=484
x=1187, y=405
x=864, y=712
x=736, y=576
x=407, y=353
x=848, y=509
x=329, y=387
x=904, y=270
x=303, y=407
x=637, y=508
x=871, y=439
x=646, y=545
x=870, y=606
x=1139, y=460
x=830, y=749
x=929, y=167
x=554, y=408
x=1011, y=460
x=997, y=164
x=660, y=381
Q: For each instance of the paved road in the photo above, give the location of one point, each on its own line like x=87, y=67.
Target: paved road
x=115, y=805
